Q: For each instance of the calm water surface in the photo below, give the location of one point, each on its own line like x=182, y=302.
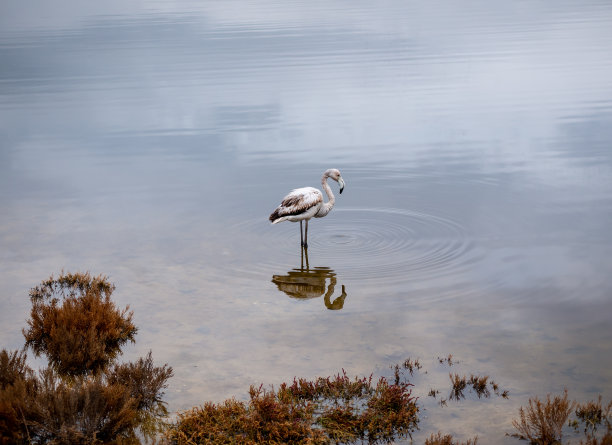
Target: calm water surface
x=150, y=141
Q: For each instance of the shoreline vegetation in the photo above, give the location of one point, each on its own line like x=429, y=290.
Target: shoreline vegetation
x=85, y=396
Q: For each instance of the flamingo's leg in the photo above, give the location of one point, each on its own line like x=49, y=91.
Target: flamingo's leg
x=301, y=235
x=306, y=236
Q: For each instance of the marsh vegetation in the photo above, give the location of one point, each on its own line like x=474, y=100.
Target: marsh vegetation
x=83, y=396
x=86, y=396
x=543, y=421
x=328, y=410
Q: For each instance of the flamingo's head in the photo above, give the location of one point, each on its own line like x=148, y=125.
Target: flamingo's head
x=334, y=173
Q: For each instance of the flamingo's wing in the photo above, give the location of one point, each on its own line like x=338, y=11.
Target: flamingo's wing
x=296, y=202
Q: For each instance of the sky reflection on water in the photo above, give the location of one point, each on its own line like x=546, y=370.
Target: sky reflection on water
x=150, y=143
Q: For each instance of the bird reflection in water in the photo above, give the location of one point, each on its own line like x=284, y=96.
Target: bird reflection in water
x=305, y=283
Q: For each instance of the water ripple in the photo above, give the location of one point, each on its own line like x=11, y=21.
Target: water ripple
x=379, y=246
x=393, y=244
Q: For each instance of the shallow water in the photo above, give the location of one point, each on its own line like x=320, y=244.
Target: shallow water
x=151, y=142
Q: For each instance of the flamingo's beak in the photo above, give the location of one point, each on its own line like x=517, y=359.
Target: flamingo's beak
x=341, y=182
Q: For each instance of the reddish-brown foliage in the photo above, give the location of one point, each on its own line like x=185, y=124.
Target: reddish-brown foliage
x=76, y=325
x=542, y=422
x=458, y=386
x=103, y=408
x=326, y=410
x=391, y=412
x=593, y=415
x=82, y=398
x=263, y=420
x=16, y=385
x=447, y=439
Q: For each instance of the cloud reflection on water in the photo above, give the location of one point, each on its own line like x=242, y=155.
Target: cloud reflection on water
x=148, y=142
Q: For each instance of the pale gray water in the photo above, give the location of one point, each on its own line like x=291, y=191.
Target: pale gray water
x=150, y=142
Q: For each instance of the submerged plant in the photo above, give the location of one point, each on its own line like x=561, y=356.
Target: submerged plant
x=433, y=393
x=479, y=383
x=447, y=439
x=458, y=386
x=592, y=415
x=412, y=365
x=448, y=360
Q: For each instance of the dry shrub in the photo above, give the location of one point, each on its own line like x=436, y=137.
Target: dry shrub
x=211, y=423
x=105, y=408
x=83, y=397
x=276, y=422
x=409, y=365
x=391, y=412
x=263, y=420
x=337, y=389
x=326, y=410
x=542, y=422
x=341, y=423
x=82, y=411
x=16, y=385
x=606, y=439
x=458, y=386
x=76, y=325
x=447, y=439
x=479, y=383
x=145, y=384
x=144, y=381
x=593, y=415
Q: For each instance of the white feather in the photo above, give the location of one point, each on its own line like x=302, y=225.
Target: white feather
x=299, y=204
x=307, y=202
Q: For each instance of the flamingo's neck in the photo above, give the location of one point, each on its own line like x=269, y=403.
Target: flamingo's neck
x=326, y=207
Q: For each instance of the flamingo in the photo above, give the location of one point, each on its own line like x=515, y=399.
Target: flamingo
x=307, y=202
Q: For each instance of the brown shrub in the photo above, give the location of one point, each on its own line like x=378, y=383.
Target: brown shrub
x=101, y=408
x=144, y=381
x=17, y=384
x=341, y=423
x=391, y=412
x=76, y=325
x=264, y=420
x=339, y=388
x=82, y=398
x=447, y=439
x=83, y=411
x=542, y=422
x=211, y=423
x=458, y=386
x=606, y=439
x=326, y=410
x=593, y=415
x=479, y=383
